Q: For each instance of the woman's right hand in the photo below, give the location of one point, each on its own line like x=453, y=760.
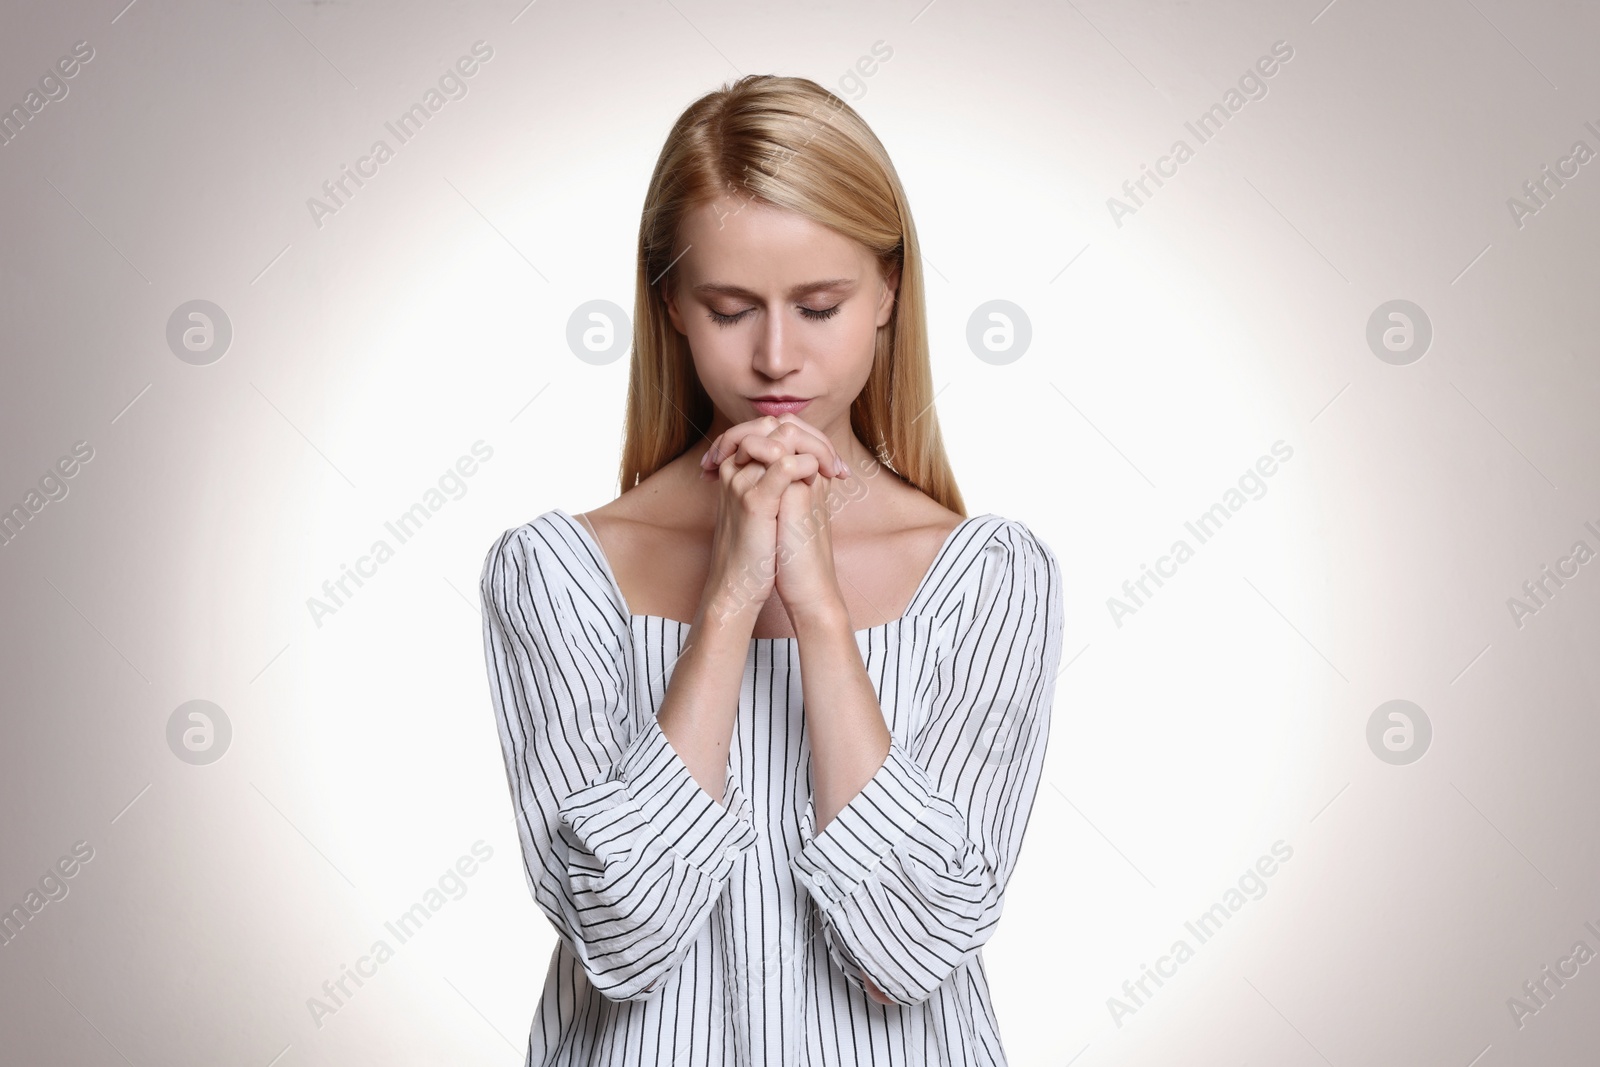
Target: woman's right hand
x=755, y=462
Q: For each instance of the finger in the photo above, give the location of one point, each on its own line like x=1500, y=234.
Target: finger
x=790, y=416
x=768, y=450
x=764, y=450
x=800, y=439
x=730, y=470
x=790, y=429
x=729, y=439
x=786, y=440
x=802, y=436
x=743, y=475
x=788, y=470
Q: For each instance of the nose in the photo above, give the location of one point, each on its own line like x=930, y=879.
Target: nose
x=775, y=355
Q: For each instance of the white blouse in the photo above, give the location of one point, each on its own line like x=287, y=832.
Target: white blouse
x=693, y=932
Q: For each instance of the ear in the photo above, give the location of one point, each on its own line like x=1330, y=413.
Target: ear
x=891, y=289
x=669, y=296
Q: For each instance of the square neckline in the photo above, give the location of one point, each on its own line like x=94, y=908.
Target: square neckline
x=605, y=564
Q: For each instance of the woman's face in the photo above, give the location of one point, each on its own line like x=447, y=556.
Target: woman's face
x=774, y=304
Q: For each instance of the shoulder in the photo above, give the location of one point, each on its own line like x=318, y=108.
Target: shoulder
x=996, y=567
x=539, y=560
x=964, y=540
x=1021, y=555
x=637, y=523
x=988, y=544
x=1018, y=541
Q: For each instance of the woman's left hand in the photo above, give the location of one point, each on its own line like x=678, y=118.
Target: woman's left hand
x=806, y=581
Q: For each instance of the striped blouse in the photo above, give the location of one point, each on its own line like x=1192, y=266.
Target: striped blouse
x=697, y=932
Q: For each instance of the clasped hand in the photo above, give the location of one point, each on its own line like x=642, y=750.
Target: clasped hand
x=773, y=532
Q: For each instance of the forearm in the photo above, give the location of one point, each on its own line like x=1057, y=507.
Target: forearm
x=844, y=721
x=702, y=700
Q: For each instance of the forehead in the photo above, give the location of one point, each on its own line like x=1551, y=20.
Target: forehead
x=733, y=239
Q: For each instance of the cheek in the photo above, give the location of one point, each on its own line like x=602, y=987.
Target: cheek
x=848, y=350
x=715, y=352
x=863, y=331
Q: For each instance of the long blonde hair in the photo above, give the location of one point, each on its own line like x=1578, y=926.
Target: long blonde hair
x=789, y=143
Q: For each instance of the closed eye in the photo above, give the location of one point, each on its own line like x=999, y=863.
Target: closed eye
x=814, y=314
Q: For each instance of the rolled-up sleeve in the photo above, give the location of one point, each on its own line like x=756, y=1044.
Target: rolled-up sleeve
x=909, y=877
x=623, y=849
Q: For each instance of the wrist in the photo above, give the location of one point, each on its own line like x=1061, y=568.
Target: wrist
x=728, y=604
x=826, y=617
x=723, y=625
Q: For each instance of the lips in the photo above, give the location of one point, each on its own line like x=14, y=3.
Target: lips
x=768, y=405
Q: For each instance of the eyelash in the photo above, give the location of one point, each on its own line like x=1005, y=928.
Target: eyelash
x=811, y=313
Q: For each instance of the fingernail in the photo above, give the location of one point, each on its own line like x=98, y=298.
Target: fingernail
x=843, y=467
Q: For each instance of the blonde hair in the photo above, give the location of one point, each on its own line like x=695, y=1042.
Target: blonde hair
x=789, y=143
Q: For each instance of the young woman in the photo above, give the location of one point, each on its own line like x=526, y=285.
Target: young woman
x=774, y=718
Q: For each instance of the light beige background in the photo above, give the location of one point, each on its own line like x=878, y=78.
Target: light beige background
x=1228, y=312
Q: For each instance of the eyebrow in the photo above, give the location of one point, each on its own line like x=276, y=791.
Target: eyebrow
x=727, y=289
